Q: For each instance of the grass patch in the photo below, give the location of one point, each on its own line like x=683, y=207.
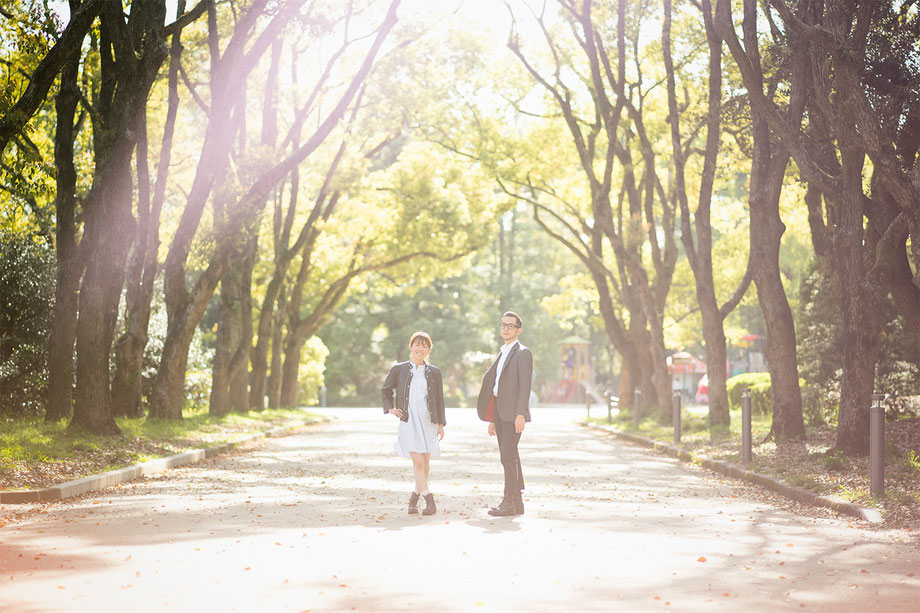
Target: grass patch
x=694, y=427
x=910, y=462
x=855, y=494
x=808, y=482
x=813, y=463
x=35, y=454
x=832, y=459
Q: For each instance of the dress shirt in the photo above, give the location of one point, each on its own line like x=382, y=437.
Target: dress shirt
x=505, y=350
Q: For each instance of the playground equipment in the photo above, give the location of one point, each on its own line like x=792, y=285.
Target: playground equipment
x=577, y=370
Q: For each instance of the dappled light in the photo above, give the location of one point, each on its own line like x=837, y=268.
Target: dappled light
x=691, y=225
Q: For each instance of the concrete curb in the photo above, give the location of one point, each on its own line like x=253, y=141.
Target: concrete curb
x=121, y=475
x=733, y=470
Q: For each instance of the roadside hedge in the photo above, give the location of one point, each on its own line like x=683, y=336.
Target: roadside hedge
x=759, y=382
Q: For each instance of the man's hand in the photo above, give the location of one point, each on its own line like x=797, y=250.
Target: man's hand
x=491, y=428
x=519, y=424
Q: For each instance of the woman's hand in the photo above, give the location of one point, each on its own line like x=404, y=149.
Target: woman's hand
x=440, y=432
x=396, y=412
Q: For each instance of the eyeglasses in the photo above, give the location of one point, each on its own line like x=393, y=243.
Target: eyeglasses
x=508, y=326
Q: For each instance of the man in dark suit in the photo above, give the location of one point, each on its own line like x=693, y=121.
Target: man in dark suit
x=504, y=402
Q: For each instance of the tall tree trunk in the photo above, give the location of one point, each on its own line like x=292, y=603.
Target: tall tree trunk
x=629, y=343
x=699, y=253
x=259, y=359
x=229, y=389
x=167, y=398
x=277, y=353
x=129, y=349
x=239, y=361
x=658, y=394
x=127, y=386
x=183, y=314
x=290, y=386
x=220, y=368
x=860, y=298
x=132, y=54
x=819, y=239
x=768, y=169
x=273, y=300
x=108, y=234
x=894, y=264
x=186, y=305
x=766, y=228
x=59, y=395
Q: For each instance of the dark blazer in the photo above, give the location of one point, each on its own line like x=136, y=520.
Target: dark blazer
x=513, y=388
x=399, y=379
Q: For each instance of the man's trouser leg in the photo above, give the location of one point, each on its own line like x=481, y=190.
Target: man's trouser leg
x=508, y=441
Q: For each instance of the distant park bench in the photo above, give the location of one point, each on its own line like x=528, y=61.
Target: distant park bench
x=608, y=399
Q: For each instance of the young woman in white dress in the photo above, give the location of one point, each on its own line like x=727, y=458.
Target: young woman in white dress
x=413, y=392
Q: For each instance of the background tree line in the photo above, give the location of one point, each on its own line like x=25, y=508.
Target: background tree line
x=167, y=187
x=217, y=183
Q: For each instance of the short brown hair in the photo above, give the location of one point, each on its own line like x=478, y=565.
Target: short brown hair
x=520, y=324
x=423, y=336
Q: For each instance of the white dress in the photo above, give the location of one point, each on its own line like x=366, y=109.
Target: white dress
x=419, y=434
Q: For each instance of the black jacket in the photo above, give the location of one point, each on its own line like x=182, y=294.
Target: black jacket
x=399, y=379
x=514, y=386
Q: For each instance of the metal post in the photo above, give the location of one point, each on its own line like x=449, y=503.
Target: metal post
x=588, y=404
x=877, y=446
x=637, y=395
x=609, y=398
x=746, y=426
x=676, y=418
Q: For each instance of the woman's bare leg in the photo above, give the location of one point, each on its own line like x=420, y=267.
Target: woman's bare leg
x=419, y=465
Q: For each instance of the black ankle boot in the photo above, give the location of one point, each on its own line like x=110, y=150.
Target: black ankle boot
x=413, y=503
x=519, y=503
x=429, y=509
x=504, y=509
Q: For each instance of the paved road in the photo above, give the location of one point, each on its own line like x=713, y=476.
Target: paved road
x=316, y=522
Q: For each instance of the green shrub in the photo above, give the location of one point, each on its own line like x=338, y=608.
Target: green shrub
x=759, y=382
x=310, y=374
x=27, y=279
x=761, y=402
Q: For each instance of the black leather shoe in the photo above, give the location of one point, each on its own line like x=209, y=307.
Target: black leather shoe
x=413, y=503
x=429, y=509
x=504, y=509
